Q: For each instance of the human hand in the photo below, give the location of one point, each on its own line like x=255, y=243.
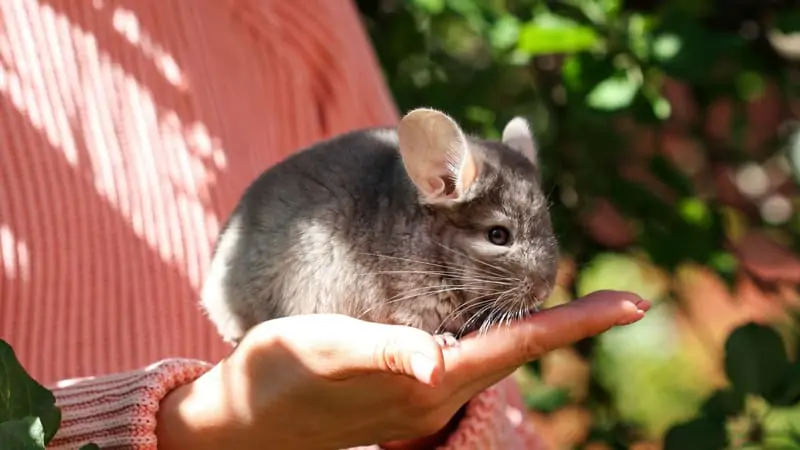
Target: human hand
x=328, y=381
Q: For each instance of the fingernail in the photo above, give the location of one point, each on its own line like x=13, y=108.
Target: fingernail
x=630, y=320
x=424, y=368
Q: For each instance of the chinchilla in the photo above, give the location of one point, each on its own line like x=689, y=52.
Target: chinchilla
x=420, y=225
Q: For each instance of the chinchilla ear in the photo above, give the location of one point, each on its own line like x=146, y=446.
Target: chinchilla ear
x=436, y=155
x=517, y=135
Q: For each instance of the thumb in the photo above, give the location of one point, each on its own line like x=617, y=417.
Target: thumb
x=400, y=350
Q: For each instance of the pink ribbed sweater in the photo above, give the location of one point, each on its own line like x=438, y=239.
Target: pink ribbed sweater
x=128, y=130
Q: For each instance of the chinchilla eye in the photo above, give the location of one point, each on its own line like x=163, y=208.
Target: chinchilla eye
x=499, y=235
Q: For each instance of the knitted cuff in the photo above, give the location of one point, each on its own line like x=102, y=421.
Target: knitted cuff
x=119, y=411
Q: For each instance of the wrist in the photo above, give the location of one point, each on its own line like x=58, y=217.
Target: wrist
x=191, y=416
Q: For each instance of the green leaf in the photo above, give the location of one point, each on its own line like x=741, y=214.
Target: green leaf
x=787, y=393
x=695, y=211
x=90, y=447
x=673, y=177
x=581, y=72
x=505, y=32
x=755, y=359
x=724, y=403
x=547, y=399
x=623, y=272
x=726, y=265
x=21, y=396
x=614, y=93
x=701, y=433
x=666, y=46
x=787, y=22
x=549, y=33
x=661, y=107
x=430, y=6
x=686, y=49
x=795, y=435
x=536, y=40
x=579, y=11
x=26, y=433
x=750, y=85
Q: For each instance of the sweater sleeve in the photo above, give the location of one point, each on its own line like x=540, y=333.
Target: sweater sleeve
x=495, y=419
x=119, y=411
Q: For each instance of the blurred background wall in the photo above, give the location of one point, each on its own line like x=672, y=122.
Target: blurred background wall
x=671, y=146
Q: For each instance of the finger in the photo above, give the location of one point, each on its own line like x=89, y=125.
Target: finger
x=341, y=347
x=502, y=350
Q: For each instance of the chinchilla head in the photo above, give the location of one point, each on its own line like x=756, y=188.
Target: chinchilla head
x=492, y=228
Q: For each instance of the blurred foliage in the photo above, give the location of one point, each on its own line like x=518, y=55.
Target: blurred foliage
x=594, y=79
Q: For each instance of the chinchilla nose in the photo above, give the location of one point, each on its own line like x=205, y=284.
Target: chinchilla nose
x=542, y=292
x=539, y=288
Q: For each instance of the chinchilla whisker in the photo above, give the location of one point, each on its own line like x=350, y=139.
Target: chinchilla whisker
x=409, y=260
x=505, y=319
x=425, y=290
x=522, y=310
x=484, y=307
x=498, y=270
x=453, y=264
x=418, y=292
x=483, y=302
x=492, y=266
x=466, y=307
x=481, y=273
x=501, y=312
x=505, y=301
x=463, y=309
x=513, y=309
x=456, y=277
x=478, y=270
x=429, y=290
x=481, y=280
x=493, y=273
x=445, y=269
x=450, y=266
x=512, y=317
x=492, y=308
x=414, y=272
x=488, y=323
